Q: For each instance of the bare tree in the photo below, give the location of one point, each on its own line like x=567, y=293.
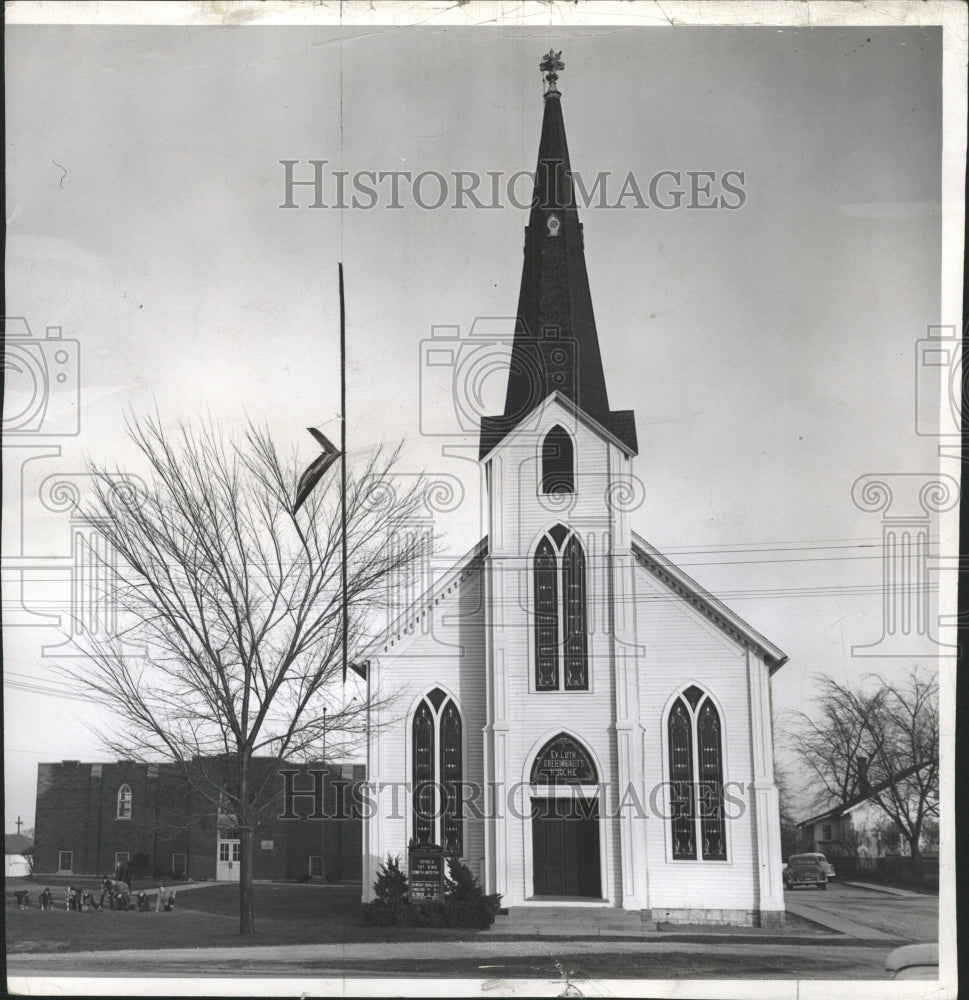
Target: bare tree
x=880, y=744
x=228, y=657
x=904, y=762
x=830, y=740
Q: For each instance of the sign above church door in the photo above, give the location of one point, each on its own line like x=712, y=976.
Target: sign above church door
x=563, y=760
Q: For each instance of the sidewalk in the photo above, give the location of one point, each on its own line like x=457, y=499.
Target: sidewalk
x=891, y=890
x=521, y=923
x=842, y=925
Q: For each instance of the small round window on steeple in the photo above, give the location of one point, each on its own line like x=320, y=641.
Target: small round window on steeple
x=553, y=225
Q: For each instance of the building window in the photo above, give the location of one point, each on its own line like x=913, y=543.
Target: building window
x=561, y=639
x=124, y=802
x=120, y=859
x=826, y=831
x=65, y=861
x=437, y=768
x=180, y=865
x=316, y=866
x=696, y=779
x=558, y=462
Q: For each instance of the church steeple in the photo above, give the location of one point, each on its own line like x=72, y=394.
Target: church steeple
x=556, y=346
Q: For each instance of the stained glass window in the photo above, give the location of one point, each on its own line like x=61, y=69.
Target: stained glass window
x=573, y=586
x=423, y=774
x=546, y=618
x=683, y=825
x=696, y=779
x=451, y=823
x=437, y=771
x=561, y=640
x=710, y=784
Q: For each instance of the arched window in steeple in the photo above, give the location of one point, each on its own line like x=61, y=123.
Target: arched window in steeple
x=696, y=778
x=437, y=769
x=558, y=462
x=561, y=635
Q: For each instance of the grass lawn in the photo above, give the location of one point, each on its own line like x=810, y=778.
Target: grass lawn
x=206, y=917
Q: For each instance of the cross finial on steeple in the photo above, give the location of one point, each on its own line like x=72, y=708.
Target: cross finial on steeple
x=549, y=64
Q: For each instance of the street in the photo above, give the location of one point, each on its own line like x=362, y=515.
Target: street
x=913, y=917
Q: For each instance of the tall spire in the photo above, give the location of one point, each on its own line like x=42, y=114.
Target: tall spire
x=556, y=347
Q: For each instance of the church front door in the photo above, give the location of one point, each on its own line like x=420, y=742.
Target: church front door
x=565, y=847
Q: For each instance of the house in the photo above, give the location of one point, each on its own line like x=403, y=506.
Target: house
x=566, y=710
x=15, y=848
x=856, y=827
x=92, y=818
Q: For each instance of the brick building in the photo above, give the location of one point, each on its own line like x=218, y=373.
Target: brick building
x=91, y=817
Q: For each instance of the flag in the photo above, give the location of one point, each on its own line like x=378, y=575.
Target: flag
x=317, y=468
x=360, y=669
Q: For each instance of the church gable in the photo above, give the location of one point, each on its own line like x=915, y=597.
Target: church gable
x=668, y=621
x=441, y=616
x=653, y=566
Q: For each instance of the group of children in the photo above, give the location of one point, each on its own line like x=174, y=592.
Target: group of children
x=115, y=894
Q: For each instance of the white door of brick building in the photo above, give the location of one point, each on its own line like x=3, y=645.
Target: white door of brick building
x=227, y=865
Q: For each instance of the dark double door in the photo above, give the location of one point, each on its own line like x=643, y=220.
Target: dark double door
x=565, y=847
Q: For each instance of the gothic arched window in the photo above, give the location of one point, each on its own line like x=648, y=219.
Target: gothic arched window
x=558, y=462
x=561, y=639
x=124, y=802
x=696, y=778
x=437, y=770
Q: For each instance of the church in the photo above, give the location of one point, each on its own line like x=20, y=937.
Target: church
x=566, y=710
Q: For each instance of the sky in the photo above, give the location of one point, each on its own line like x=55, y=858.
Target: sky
x=770, y=351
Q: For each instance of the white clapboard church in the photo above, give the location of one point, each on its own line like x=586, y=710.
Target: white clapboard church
x=571, y=714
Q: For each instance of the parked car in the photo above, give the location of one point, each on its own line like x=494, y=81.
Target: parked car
x=804, y=869
x=829, y=871
x=914, y=961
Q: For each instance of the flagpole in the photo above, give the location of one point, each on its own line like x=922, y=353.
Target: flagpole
x=343, y=466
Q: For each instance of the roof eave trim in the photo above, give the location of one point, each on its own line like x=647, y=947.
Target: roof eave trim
x=727, y=620
x=578, y=413
x=406, y=619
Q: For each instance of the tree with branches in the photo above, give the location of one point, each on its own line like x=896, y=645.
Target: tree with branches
x=228, y=656
x=879, y=743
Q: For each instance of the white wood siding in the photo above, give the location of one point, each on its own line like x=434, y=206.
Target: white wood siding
x=680, y=647
x=445, y=649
